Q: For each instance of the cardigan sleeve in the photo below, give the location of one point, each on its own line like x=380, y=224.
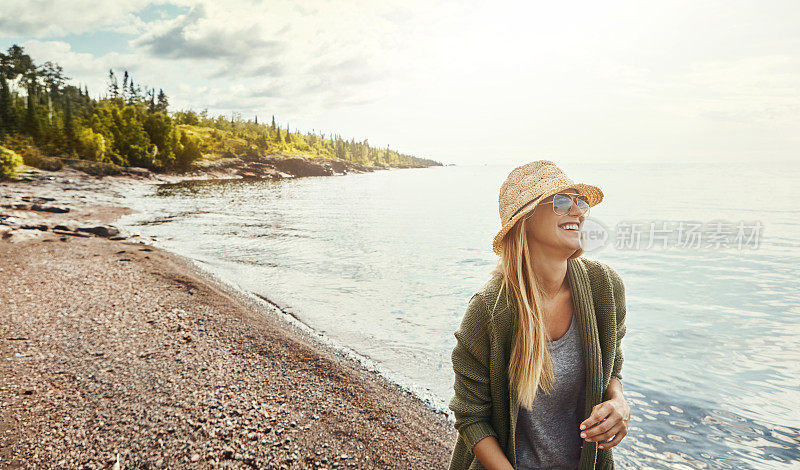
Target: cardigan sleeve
x=472, y=403
x=619, y=300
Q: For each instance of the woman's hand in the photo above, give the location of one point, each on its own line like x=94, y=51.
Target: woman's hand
x=611, y=417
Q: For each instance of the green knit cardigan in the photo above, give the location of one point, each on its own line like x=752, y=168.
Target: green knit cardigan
x=484, y=404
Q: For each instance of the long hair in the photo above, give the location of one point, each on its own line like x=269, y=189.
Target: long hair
x=529, y=367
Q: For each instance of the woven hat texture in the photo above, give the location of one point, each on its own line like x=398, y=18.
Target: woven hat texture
x=529, y=184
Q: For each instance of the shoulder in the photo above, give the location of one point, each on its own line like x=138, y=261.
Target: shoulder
x=599, y=266
x=491, y=291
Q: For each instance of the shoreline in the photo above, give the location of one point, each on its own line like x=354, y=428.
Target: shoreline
x=201, y=314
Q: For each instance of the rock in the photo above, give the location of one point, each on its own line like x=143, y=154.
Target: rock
x=21, y=235
x=297, y=166
x=18, y=206
x=54, y=209
x=137, y=171
x=101, y=230
x=66, y=226
x=37, y=199
x=338, y=166
x=74, y=234
x=42, y=227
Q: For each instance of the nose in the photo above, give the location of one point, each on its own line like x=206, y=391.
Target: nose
x=576, y=211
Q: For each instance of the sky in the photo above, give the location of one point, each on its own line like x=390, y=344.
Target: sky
x=460, y=82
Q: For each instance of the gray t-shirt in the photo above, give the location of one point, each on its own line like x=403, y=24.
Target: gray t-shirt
x=547, y=436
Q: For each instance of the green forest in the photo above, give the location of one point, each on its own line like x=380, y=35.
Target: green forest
x=45, y=121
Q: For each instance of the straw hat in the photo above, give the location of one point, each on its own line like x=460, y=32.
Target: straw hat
x=529, y=184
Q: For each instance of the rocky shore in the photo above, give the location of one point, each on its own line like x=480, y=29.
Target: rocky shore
x=113, y=351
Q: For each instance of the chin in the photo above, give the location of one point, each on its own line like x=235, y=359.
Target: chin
x=572, y=244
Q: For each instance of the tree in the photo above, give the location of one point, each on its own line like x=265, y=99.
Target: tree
x=160, y=129
x=125, y=85
x=7, y=121
x=32, y=126
x=53, y=77
x=69, y=125
x=163, y=102
x=113, y=85
x=273, y=122
x=188, y=153
x=17, y=63
x=10, y=163
x=132, y=94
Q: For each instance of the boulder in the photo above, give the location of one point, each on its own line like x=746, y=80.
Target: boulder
x=137, y=171
x=21, y=235
x=101, y=230
x=69, y=227
x=297, y=166
x=54, y=209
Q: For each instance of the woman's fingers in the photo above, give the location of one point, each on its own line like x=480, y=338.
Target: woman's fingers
x=621, y=434
x=591, y=433
x=599, y=413
x=615, y=429
x=612, y=415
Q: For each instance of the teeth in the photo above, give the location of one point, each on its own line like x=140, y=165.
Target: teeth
x=570, y=226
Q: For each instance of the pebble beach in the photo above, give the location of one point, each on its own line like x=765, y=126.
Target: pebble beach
x=116, y=353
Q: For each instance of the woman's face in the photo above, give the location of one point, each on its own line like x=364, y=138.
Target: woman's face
x=552, y=231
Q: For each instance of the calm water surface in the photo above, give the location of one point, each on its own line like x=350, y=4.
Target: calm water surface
x=384, y=263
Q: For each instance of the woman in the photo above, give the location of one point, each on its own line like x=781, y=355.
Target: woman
x=538, y=359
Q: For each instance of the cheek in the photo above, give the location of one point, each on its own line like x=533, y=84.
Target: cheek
x=542, y=226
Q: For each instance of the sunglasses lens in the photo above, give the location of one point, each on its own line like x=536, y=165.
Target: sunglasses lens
x=583, y=204
x=562, y=204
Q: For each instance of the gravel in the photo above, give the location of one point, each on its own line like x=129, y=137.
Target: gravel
x=114, y=351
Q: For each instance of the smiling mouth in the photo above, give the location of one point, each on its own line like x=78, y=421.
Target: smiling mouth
x=570, y=227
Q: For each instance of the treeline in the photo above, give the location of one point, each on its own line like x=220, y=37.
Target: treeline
x=223, y=135
x=130, y=125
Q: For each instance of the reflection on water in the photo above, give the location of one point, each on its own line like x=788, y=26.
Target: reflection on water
x=386, y=262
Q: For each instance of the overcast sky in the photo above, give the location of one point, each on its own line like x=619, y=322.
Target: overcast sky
x=457, y=81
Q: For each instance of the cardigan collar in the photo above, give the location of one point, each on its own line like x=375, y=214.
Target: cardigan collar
x=583, y=305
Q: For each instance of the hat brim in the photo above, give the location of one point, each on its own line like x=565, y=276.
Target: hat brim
x=593, y=194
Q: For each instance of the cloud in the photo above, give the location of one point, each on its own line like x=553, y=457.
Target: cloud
x=57, y=18
x=318, y=54
x=195, y=36
x=616, y=80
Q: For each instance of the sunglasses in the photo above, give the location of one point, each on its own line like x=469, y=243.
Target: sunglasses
x=562, y=203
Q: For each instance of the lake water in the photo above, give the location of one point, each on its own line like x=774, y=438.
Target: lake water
x=384, y=264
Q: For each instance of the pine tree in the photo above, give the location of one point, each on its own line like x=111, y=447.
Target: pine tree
x=7, y=123
x=69, y=125
x=163, y=102
x=125, y=85
x=31, y=120
x=256, y=119
x=273, y=122
x=113, y=85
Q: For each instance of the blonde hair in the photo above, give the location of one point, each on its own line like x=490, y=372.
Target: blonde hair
x=529, y=367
